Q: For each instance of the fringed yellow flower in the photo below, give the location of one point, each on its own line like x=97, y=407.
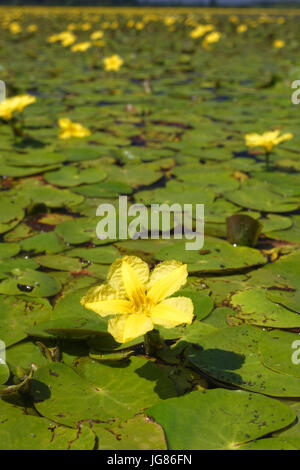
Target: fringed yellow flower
x=139, y=300
x=72, y=129
x=16, y=103
x=267, y=140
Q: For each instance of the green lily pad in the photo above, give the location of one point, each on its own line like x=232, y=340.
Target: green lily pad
x=138, y=433
x=225, y=419
x=280, y=352
x=231, y=355
x=103, y=255
x=98, y=391
x=255, y=308
x=32, y=283
x=69, y=176
x=47, y=242
x=260, y=198
x=32, y=433
x=215, y=256
x=8, y=250
x=19, y=313
x=59, y=262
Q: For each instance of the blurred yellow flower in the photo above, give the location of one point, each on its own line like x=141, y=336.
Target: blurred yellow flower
x=139, y=300
x=210, y=39
x=32, y=28
x=66, y=37
x=72, y=129
x=81, y=47
x=97, y=35
x=200, y=30
x=16, y=103
x=267, y=140
x=278, y=44
x=113, y=62
x=242, y=28
x=15, y=27
x=139, y=25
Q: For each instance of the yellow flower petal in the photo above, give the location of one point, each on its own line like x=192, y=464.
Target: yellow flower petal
x=134, y=287
x=173, y=312
x=127, y=327
x=166, y=279
x=115, y=278
x=105, y=301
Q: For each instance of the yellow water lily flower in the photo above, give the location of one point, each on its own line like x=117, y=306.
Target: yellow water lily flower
x=66, y=37
x=81, y=46
x=16, y=103
x=32, y=28
x=113, y=62
x=242, y=28
x=72, y=129
x=200, y=30
x=278, y=44
x=96, y=35
x=267, y=140
x=15, y=27
x=139, y=300
x=210, y=39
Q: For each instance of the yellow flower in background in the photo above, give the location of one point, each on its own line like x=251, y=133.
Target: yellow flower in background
x=234, y=19
x=139, y=25
x=113, y=62
x=200, y=30
x=66, y=37
x=86, y=26
x=72, y=129
x=267, y=140
x=16, y=103
x=97, y=35
x=81, y=47
x=170, y=20
x=210, y=39
x=278, y=44
x=242, y=28
x=15, y=27
x=32, y=28
x=139, y=300
x=130, y=24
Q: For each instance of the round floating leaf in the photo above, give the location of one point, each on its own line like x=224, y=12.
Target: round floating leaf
x=59, y=262
x=8, y=250
x=32, y=433
x=231, y=355
x=225, y=419
x=100, y=392
x=69, y=176
x=279, y=351
x=31, y=283
x=215, y=256
x=255, y=308
x=19, y=313
x=47, y=242
x=261, y=199
x=138, y=433
x=103, y=255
